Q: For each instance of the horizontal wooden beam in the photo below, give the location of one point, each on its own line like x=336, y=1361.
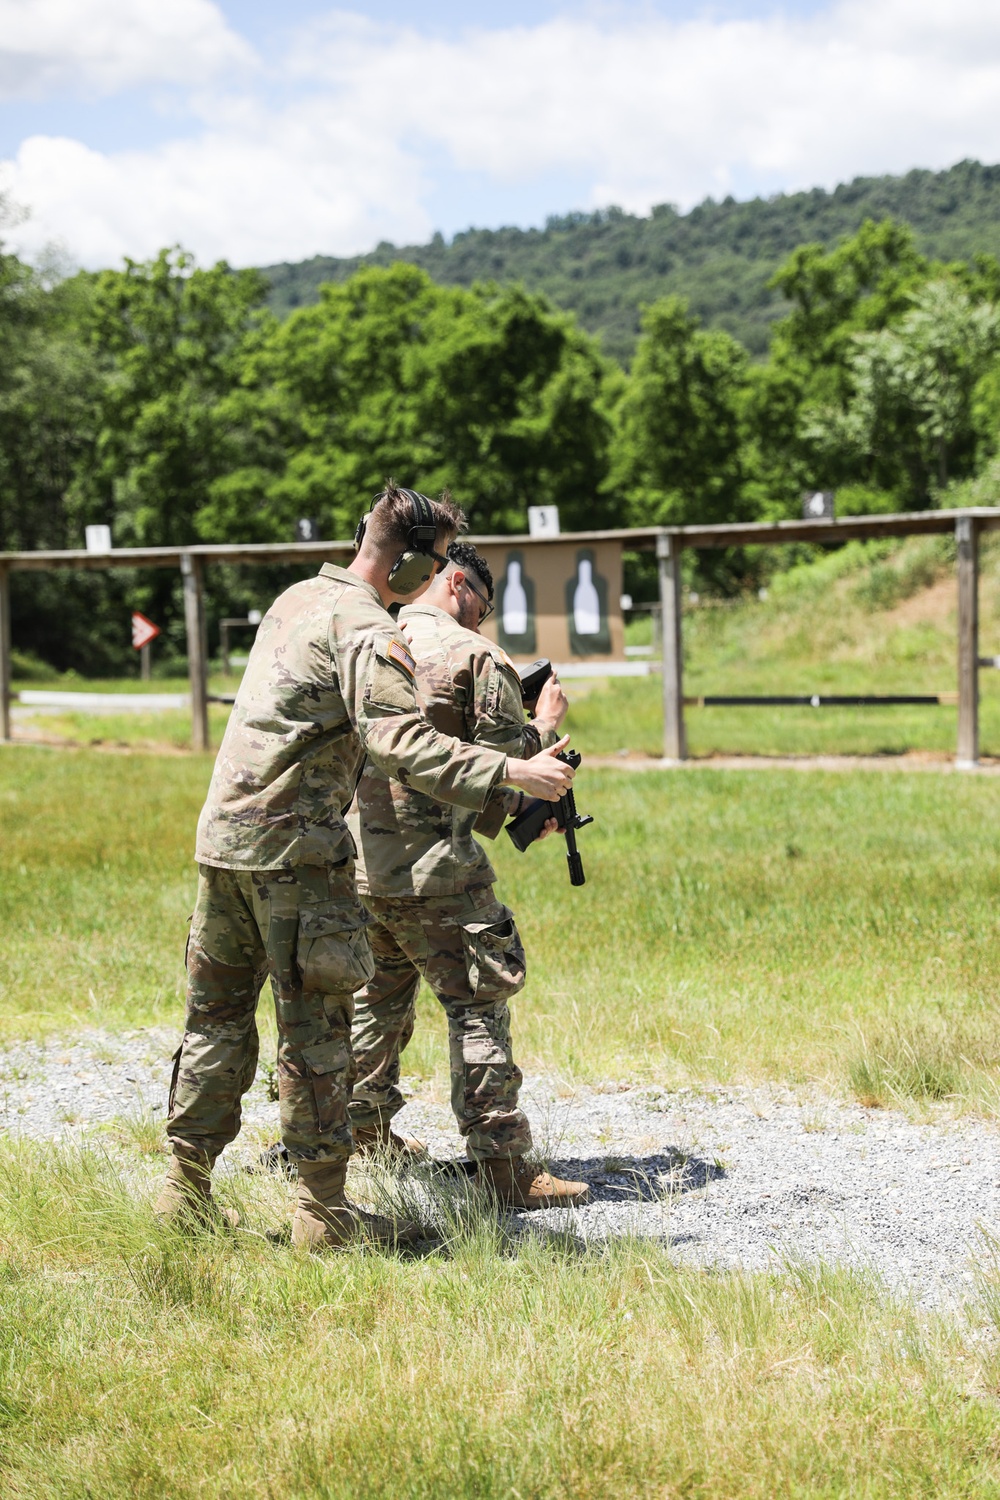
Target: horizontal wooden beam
x=848, y=528
x=765, y=533
x=170, y=557
x=639, y=538
x=818, y=700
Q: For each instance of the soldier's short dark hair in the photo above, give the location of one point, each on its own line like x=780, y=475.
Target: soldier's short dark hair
x=392, y=517
x=464, y=555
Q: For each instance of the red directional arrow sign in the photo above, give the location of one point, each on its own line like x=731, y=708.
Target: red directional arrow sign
x=143, y=630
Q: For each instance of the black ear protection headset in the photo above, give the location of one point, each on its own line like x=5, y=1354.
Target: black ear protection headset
x=417, y=564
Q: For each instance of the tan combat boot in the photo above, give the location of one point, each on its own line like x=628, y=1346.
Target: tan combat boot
x=515, y=1183
x=326, y=1219
x=382, y=1140
x=186, y=1197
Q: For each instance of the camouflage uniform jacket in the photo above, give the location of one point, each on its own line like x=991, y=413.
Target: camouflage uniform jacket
x=329, y=680
x=411, y=843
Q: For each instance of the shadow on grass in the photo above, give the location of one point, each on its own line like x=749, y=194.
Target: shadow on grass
x=459, y=1216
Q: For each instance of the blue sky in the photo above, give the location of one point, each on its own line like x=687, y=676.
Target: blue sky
x=256, y=132
x=257, y=19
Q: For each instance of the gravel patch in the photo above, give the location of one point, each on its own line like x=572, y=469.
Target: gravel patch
x=733, y=1177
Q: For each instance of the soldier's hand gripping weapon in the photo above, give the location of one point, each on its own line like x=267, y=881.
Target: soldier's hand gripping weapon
x=526, y=827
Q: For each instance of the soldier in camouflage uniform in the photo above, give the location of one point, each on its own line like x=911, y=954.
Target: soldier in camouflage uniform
x=330, y=680
x=428, y=886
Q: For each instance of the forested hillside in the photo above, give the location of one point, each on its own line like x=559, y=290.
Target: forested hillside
x=720, y=256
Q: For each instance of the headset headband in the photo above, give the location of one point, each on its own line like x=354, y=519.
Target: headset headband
x=417, y=564
x=422, y=534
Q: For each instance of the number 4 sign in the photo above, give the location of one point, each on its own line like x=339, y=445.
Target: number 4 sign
x=143, y=630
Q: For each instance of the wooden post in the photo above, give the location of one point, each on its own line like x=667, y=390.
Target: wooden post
x=656, y=634
x=5, y=646
x=967, y=539
x=145, y=662
x=194, y=622
x=668, y=559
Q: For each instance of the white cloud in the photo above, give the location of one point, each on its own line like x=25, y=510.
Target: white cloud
x=100, y=46
x=657, y=109
x=276, y=187
x=644, y=111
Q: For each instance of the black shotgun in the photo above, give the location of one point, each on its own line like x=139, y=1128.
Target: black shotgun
x=526, y=827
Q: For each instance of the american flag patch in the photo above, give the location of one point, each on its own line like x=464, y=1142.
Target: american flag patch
x=399, y=654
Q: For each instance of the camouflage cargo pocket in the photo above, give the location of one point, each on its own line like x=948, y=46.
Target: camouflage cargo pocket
x=494, y=956
x=329, y=1064
x=334, y=954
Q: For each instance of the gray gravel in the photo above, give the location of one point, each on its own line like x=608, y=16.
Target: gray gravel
x=736, y=1177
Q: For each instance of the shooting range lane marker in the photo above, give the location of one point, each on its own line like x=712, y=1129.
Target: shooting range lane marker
x=118, y=703
x=603, y=668
x=731, y=1177
x=143, y=630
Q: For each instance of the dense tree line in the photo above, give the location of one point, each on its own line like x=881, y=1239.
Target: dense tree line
x=720, y=257
x=169, y=402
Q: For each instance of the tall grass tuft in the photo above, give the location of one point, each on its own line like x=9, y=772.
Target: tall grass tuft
x=923, y=1064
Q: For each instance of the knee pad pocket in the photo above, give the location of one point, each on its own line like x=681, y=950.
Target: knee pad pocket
x=494, y=955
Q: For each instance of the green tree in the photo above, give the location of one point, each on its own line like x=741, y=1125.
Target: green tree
x=821, y=413
x=170, y=344
x=47, y=407
x=49, y=384
x=862, y=285
x=170, y=339
x=487, y=392
x=914, y=388
x=677, y=454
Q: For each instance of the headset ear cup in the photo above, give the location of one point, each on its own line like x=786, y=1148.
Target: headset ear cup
x=409, y=571
x=415, y=566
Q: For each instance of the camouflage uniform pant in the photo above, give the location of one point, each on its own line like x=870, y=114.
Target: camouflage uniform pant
x=467, y=948
x=306, y=930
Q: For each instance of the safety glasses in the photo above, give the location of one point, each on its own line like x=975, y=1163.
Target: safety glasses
x=487, y=608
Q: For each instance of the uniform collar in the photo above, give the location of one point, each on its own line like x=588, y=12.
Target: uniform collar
x=332, y=570
x=427, y=609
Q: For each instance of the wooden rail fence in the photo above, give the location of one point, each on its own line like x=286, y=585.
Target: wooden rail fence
x=668, y=542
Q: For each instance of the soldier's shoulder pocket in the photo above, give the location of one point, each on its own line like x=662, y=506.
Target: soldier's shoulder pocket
x=392, y=676
x=502, y=683
x=500, y=657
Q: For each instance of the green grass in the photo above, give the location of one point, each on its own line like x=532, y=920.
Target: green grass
x=140, y=1364
x=159, y=730
x=734, y=925
x=98, y=885
x=870, y=618
x=626, y=714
